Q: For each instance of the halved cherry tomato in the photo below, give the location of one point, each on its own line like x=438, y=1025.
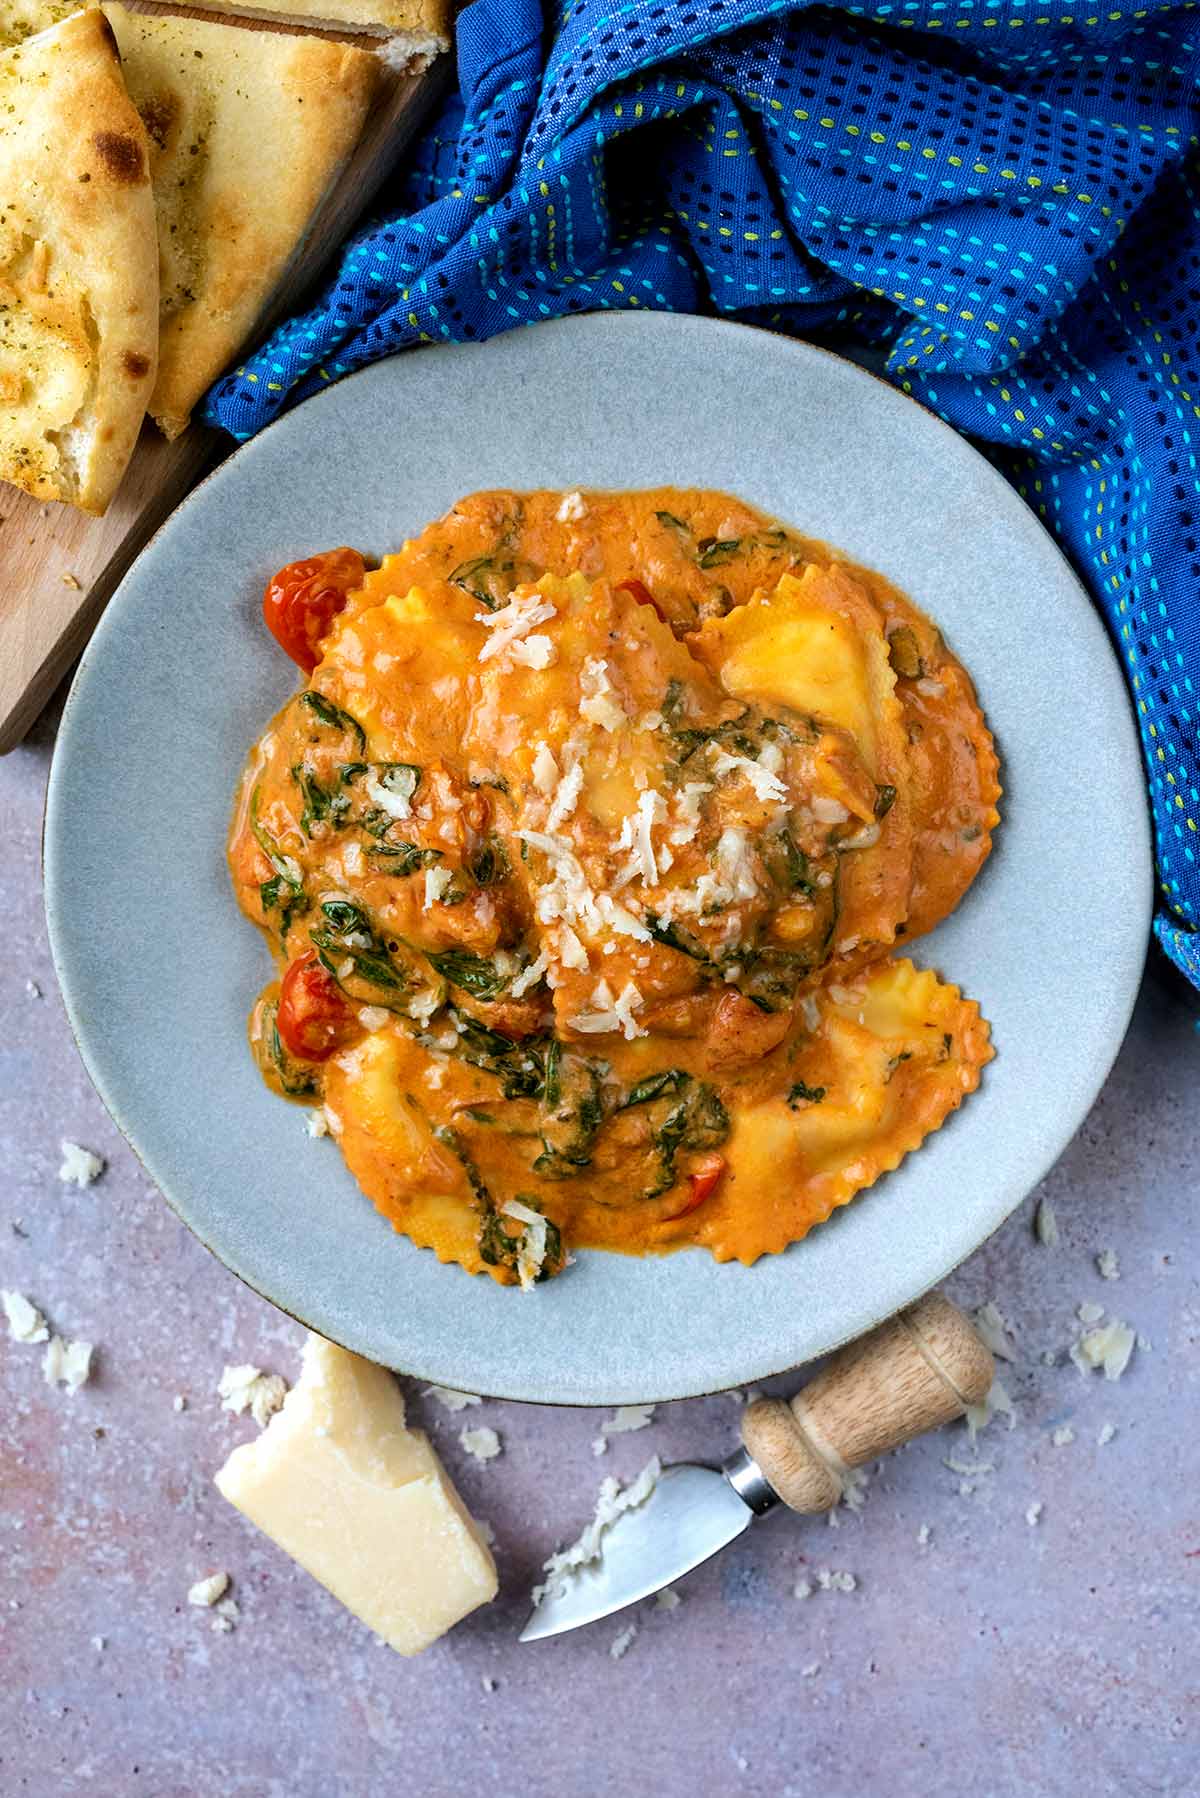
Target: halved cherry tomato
x=705, y=1178
x=303, y=599
x=643, y=596
x=314, y=1018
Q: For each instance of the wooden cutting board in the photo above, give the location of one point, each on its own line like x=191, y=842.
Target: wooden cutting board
x=58, y=567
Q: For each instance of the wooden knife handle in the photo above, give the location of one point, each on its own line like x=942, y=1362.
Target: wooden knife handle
x=912, y=1374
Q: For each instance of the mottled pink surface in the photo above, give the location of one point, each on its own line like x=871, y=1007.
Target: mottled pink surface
x=998, y=1659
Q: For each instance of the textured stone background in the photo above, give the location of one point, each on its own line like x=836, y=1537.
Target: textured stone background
x=999, y=1659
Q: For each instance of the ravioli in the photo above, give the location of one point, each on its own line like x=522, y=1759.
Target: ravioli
x=582, y=855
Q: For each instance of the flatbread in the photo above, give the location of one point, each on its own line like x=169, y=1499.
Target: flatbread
x=248, y=131
x=418, y=30
x=78, y=266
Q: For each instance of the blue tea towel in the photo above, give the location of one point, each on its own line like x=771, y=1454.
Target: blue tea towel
x=997, y=199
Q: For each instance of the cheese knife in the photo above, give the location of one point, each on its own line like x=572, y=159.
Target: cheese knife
x=912, y=1374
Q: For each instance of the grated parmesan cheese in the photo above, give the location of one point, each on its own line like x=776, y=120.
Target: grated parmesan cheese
x=66, y=1363
x=828, y=811
x=80, y=1166
x=482, y=1443
x=247, y=1388
x=735, y=862
x=534, y=652
x=598, y=705
x=571, y=509
x=25, y=1321
x=1107, y=1432
x=612, y=1502
x=667, y=1599
x=451, y=1400
x=835, y=1580
x=529, y=976
x=1063, y=1436
x=437, y=881
x=507, y=626
x=766, y=784
x=995, y=1330
x=609, y=1013
x=545, y=770
x=1109, y=1346
x=1033, y=1515
x=207, y=1591
x=997, y=1403
x=371, y=1017
x=566, y=798
x=532, y=1251
x=1045, y=1224
x=1108, y=1265
x=621, y=1644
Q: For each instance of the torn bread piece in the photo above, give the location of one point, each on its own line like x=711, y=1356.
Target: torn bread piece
x=248, y=132
x=416, y=30
x=78, y=264
x=362, y=1502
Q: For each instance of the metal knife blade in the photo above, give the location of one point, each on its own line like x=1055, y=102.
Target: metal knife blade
x=692, y=1513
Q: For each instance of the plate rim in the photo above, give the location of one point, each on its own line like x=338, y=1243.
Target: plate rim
x=1011, y=1191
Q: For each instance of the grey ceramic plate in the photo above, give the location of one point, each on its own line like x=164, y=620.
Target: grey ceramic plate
x=159, y=968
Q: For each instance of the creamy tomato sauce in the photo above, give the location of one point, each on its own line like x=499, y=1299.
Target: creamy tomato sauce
x=584, y=854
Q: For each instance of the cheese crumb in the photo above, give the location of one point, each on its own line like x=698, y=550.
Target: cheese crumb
x=80, y=1166
x=513, y=621
x=811, y=1670
x=545, y=770
x=1063, y=1435
x=451, y=1400
x=389, y=799
x=99, y=1643
x=765, y=784
x=532, y=1251
x=626, y=1418
x=802, y=1589
x=621, y=1644
x=833, y=1579
x=228, y=1614
x=1108, y=1265
x=1109, y=1346
x=487, y=1682
x=372, y=1017
x=667, y=1600
x=1045, y=1224
x=997, y=1403
x=67, y=1363
x=25, y=1321
x=179, y=1403
x=566, y=796
x=609, y=1013
x=206, y=1591
x=247, y=1388
x=1107, y=1432
x=571, y=509
x=598, y=705
x=529, y=976
x=483, y=1443
x=534, y=652
x=995, y=1330
x=924, y=1535
x=437, y=880
x=317, y=1123
x=1089, y=1312
x=1033, y=1515
x=612, y=1501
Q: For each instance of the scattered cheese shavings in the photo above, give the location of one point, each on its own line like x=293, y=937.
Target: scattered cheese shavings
x=835, y=1579
x=437, y=881
x=624, y=1642
x=33, y=989
x=995, y=1330
x=99, y=1643
x=924, y=1535
x=1045, y=1224
x=534, y=652
x=609, y=1013
x=971, y=1469
x=571, y=509
x=207, y=1591
x=667, y=1600
x=545, y=769
x=1063, y=1435
x=317, y=1123
x=626, y=1418
x=1108, y=1265
x=532, y=1251
x=80, y=1166
x=802, y=1589
x=487, y=1682
x=389, y=799
x=1089, y=1312
x=599, y=1445
x=854, y=1488
x=1109, y=1346
x=612, y=1501
x=248, y=1388
x=482, y=1443
x=25, y=1321
x=512, y=622
x=529, y=976
x=179, y=1403
x=566, y=797
x=765, y=784
x=598, y=705
x=451, y=1400
x=811, y=1671
x=1034, y=1514
x=373, y=1017
x=229, y=1613
x=1107, y=1432
x=997, y=1403
x=66, y=1363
